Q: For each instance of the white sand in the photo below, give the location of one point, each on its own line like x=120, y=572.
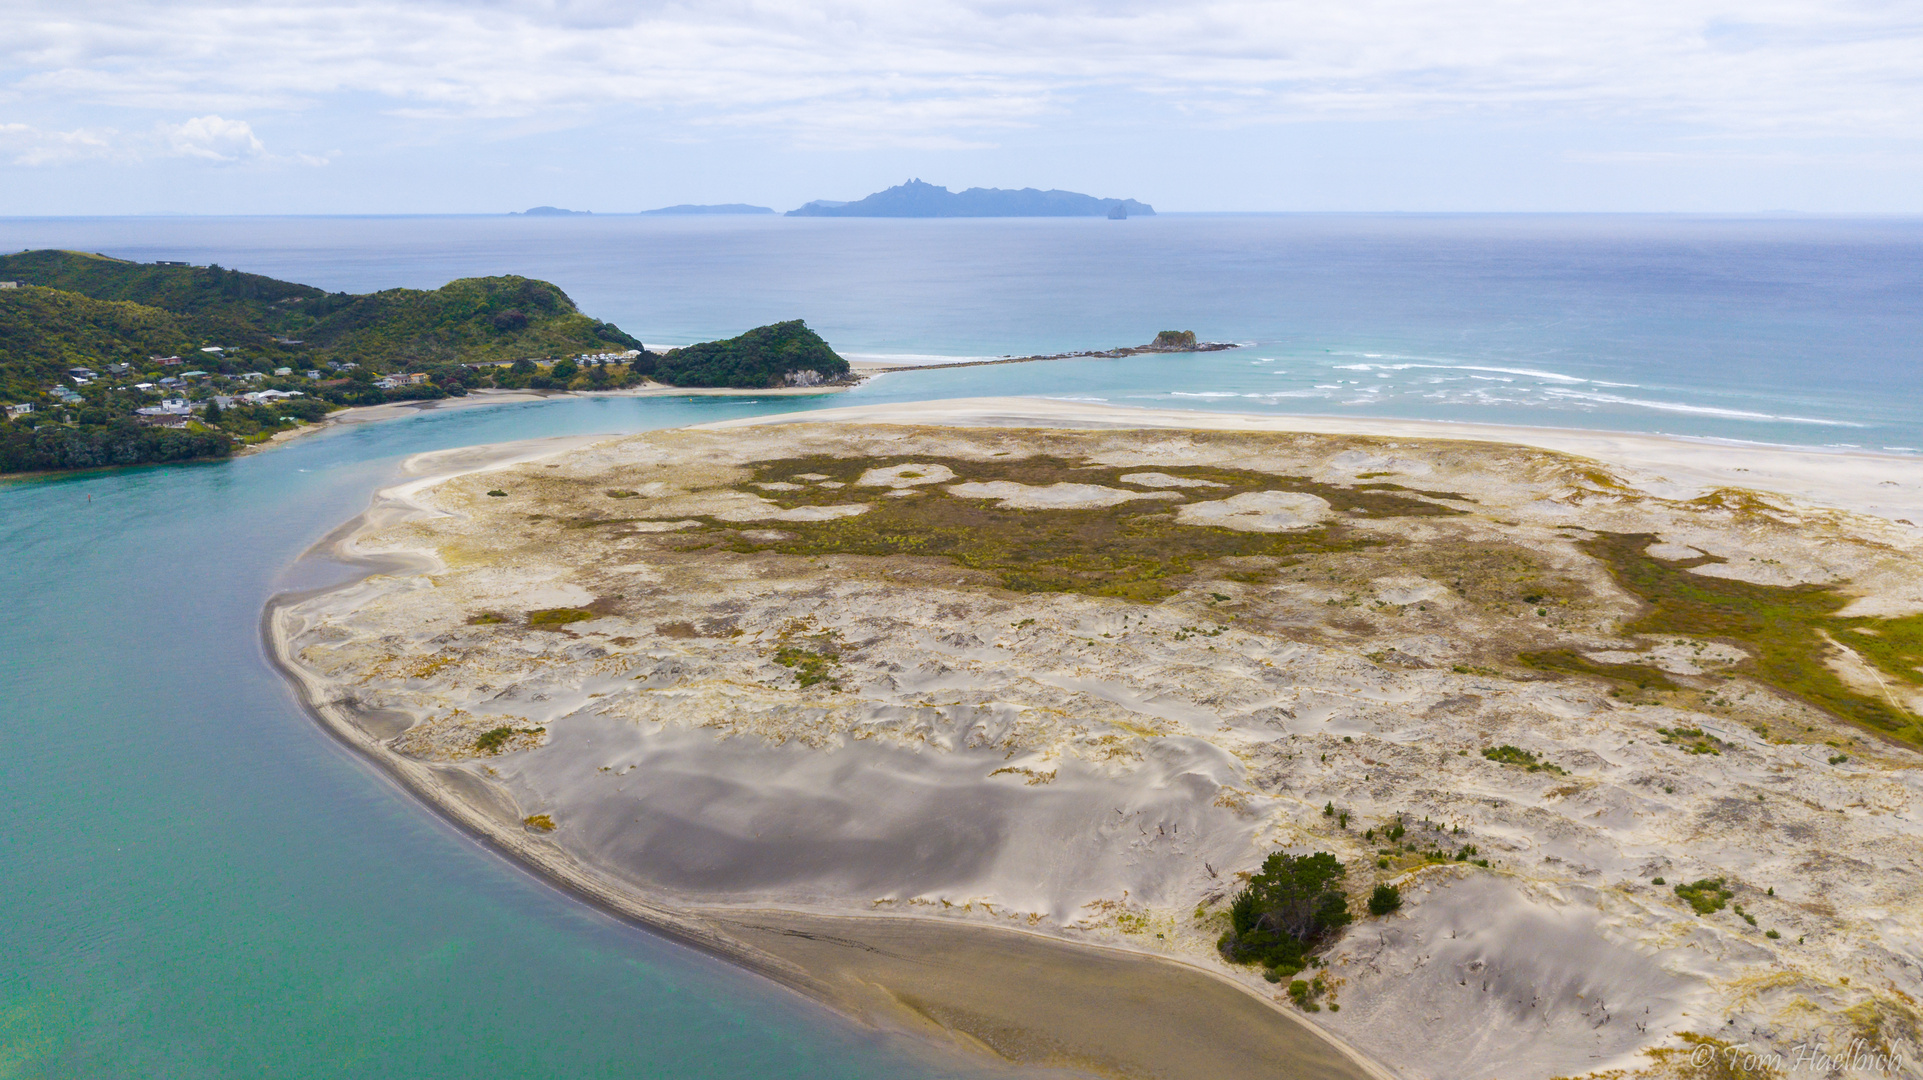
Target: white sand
x=1883, y=485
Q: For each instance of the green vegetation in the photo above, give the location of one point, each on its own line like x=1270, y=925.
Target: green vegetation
x=560, y=616
x=1639, y=676
x=486, y=618
x=1706, y=896
x=539, y=822
x=491, y=741
x=1693, y=740
x=1787, y=630
x=136, y=325
x=813, y=655
x=763, y=357
x=1516, y=755
x=1291, y=905
x=1385, y=899
x=1132, y=550
x=1304, y=993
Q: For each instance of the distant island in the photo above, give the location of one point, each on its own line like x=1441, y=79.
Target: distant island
x=549, y=211
x=918, y=199
x=109, y=362
x=715, y=208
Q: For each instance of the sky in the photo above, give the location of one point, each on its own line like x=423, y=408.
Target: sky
x=486, y=106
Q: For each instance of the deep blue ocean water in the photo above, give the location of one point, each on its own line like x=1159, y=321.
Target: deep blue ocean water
x=1801, y=330
x=196, y=882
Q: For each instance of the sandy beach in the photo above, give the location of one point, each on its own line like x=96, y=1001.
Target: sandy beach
x=908, y=899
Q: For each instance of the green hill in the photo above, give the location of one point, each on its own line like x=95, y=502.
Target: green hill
x=763, y=357
x=465, y=321
x=43, y=332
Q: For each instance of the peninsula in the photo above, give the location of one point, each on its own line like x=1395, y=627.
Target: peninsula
x=918, y=199
x=109, y=362
x=1596, y=759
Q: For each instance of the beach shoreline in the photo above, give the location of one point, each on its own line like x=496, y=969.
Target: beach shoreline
x=1889, y=486
x=835, y=958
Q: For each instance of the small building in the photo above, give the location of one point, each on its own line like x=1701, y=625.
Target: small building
x=9, y=284
x=215, y=349
x=283, y=371
x=260, y=396
x=312, y=374
x=169, y=262
x=253, y=376
x=22, y=409
x=119, y=369
x=164, y=361
x=192, y=374
x=143, y=386
x=170, y=381
x=397, y=380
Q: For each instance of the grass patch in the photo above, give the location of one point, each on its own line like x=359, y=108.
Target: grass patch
x=539, y=822
x=1694, y=740
x=1782, y=627
x=486, y=618
x=1707, y=896
x=560, y=616
x=1640, y=676
x=1130, y=551
x=813, y=655
x=1516, y=755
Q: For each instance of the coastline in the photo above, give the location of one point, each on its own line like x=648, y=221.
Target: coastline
x=1082, y=1007
x=395, y=410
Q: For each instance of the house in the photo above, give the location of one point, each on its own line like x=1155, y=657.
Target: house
x=312, y=374
x=81, y=375
x=22, y=409
x=164, y=361
x=283, y=371
x=215, y=349
x=9, y=284
x=261, y=397
x=170, y=381
x=398, y=380
x=168, y=262
x=192, y=374
x=119, y=369
x=143, y=386
x=224, y=401
x=253, y=376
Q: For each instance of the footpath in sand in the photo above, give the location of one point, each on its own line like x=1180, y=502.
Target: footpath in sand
x=911, y=714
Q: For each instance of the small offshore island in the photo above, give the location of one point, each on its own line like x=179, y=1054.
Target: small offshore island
x=1594, y=769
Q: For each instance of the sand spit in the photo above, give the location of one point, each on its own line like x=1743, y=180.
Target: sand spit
x=676, y=672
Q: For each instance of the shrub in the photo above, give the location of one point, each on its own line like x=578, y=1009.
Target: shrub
x=1706, y=896
x=1290, y=905
x=491, y=741
x=539, y=822
x=1385, y=899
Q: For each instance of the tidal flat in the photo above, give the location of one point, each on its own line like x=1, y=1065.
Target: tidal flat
x=829, y=698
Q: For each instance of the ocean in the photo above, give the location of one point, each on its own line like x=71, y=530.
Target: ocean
x=199, y=883
x=1792, y=330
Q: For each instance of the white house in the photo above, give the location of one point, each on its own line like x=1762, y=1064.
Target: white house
x=9, y=284
x=21, y=409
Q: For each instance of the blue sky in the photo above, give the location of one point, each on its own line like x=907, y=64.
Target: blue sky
x=349, y=106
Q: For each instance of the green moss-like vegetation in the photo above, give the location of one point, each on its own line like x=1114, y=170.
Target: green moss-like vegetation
x=812, y=654
x=1706, y=896
x=1516, y=755
x=485, y=618
x=539, y=822
x=1783, y=628
x=1693, y=740
x=1639, y=676
x=1131, y=550
x=560, y=616
x=491, y=740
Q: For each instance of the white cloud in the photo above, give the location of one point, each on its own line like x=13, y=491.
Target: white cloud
x=212, y=138
x=29, y=145
x=949, y=72
x=205, y=138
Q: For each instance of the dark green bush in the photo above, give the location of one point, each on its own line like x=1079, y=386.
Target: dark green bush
x=1385, y=899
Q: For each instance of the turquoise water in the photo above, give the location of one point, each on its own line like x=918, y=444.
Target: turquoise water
x=198, y=883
